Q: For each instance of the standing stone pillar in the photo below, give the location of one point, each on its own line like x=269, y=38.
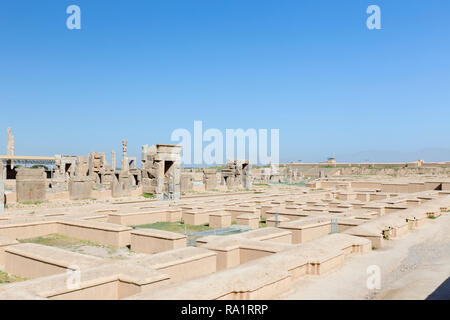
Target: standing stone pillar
x=2, y=171
x=124, y=156
x=10, y=146
x=247, y=177
x=176, y=180
x=2, y=186
x=159, y=172
x=210, y=179
x=113, y=160
x=2, y=195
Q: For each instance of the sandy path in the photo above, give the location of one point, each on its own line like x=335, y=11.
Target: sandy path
x=411, y=267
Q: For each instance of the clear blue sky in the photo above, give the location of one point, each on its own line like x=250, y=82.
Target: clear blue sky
x=140, y=69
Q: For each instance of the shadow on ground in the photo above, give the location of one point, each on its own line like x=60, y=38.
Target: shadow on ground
x=442, y=292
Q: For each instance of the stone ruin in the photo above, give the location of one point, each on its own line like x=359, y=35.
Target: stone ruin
x=91, y=176
x=161, y=171
x=237, y=174
x=64, y=169
x=2, y=187
x=121, y=182
x=98, y=168
x=210, y=179
x=31, y=185
x=307, y=234
x=160, y=174
x=187, y=181
x=80, y=175
x=2, y=196
x=10, y=145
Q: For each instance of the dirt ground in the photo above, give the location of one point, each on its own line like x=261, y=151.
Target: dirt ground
x=83, y=246
x=411, y=267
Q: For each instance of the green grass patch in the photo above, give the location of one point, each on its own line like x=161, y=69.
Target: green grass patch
x=68, y=243
x=148, y=195
x=31, y=202
x=57, y=240
x=261, y=184
x=262, y=223
x=178, y=227
x=298, y=184
x=8, y=278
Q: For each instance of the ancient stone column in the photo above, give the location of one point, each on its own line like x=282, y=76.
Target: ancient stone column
x=159, y=177
x=247, y=177
x=2, y=195
x=113, y=160
x=124, y=155
x=10, y=146
x=2, y=171
x=210, y=179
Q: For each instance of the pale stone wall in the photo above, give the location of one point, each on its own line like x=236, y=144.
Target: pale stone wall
x=31, y=185
x=2, y=195
x=219, y=220
x=155, y=241
x=80, y=188
x=261, y=263
x=99, y=232
x=30, y=260
x=5, y=243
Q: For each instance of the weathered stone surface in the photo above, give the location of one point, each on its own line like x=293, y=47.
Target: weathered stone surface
x=161, y=171
x=121, y=186
x=237, y=174
x=186, y=182
x=113, y=160
x=80, y=188
x=210, y=179
x=2, y=171
x=30, y=184
x=2, y=195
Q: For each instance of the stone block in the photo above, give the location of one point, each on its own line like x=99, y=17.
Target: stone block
x=219, y=219
x=251, y=220
x=80, y=188
x=30, y=185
